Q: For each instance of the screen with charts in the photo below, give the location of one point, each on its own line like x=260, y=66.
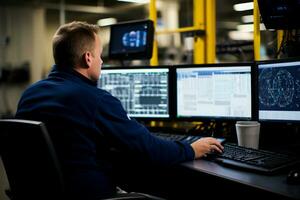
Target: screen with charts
x=279, y=91
x=214, y=92
x=142, y=92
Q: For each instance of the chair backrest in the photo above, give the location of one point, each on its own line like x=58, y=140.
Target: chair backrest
x=30, y=160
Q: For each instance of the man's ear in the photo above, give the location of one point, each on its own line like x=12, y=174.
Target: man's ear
x=87, y=59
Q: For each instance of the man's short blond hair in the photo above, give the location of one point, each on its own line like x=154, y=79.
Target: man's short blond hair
x=71, y=41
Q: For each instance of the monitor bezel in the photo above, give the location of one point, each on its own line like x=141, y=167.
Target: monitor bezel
x=257, y=63
x=141, y=55
x=170, y=91
x=216, y=118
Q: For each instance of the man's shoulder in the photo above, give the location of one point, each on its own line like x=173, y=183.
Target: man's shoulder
x=37, y=84
x=103, y=94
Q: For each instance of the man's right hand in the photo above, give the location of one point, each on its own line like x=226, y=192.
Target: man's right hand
x=206, y=145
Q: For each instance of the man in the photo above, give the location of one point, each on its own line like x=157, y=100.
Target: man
x=86, y=123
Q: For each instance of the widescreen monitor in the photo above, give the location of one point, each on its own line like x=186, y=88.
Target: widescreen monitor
x=217, y=91
x=131, y=40
x=143, y=92
x=279, y=90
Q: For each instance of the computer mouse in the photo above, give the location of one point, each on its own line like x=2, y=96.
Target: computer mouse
x=293, y=177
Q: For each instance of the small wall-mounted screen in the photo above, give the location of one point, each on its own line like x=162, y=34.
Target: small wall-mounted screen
x=131, y=40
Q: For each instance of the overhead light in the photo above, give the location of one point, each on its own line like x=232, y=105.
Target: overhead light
x=243, y=6
x=239, y=35
x=107, y=21
x=247, y=19
x=136, y=1
x=249, y=27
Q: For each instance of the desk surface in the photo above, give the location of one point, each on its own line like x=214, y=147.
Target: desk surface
x=271, y=183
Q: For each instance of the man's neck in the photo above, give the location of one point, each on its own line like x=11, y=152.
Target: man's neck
x=82, y=71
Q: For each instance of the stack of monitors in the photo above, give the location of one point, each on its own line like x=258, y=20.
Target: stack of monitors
x=279, y=90
x=214, y=91
x=143, y=91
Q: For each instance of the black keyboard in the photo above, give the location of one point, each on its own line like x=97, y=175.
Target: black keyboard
x=175, y=137
x=183, y=138
x=253, y=159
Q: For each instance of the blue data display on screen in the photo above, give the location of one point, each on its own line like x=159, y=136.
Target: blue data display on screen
x=126, y=39
x=134, y=39
x=131, y=40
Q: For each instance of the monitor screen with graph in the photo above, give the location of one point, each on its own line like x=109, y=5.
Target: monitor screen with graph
x=143, y=91
x=279, y=90
x=214, y=91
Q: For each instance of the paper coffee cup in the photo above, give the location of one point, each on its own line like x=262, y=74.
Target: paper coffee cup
x=248, y=133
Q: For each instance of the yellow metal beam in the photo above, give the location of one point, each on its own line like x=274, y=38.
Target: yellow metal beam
x=199, y=22
x=153, y=17
x=180, y=30
x=204, y=17
x=279, y=39
x=256, y=44
x=210, y=31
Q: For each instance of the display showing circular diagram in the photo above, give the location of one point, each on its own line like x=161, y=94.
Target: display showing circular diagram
x=266, y=88
x=276, y=88
x=283, y=88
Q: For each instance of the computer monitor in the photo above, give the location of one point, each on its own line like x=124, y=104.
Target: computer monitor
x=143, y=92
x=214, y=91
x=279, y=90
x=280, y=14
x=131, y=40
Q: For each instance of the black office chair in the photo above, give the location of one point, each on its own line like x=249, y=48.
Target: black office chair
x=30, y=161
x=31, y=164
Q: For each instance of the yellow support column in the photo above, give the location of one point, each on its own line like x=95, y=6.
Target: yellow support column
x=199, y=19
x=153, y=17
x=256, y=44
x=210, y=31
x=279, y=39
